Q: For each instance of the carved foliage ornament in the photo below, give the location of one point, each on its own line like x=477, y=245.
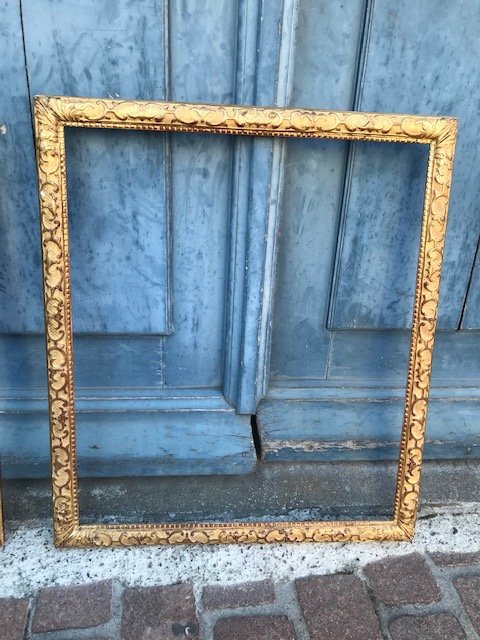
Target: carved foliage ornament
x=52, y=114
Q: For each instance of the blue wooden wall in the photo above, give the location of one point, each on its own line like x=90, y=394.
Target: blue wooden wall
x=217, y=278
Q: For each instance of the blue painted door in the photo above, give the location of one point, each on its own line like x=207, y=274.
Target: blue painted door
x=349, y=226
x=215, y=278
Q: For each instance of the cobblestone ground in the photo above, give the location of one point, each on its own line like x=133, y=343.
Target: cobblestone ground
x=409, y=597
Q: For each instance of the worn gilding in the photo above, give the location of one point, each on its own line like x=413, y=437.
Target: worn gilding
x=51, y=115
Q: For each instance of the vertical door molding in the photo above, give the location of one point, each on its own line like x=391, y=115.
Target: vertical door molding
x=275, y=61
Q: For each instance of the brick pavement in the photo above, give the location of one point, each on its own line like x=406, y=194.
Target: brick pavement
x=409, y=597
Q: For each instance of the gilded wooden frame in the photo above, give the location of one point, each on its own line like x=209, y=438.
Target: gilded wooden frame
x=52, y=115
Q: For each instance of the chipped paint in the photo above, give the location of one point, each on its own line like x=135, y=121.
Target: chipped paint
x=317, y=445
x=277, y=446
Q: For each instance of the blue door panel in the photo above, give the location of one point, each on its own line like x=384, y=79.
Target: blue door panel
x=306, y=241
x=383, y=356
x=471, y=312
x=200, y=222
x=151, y=435
x=96, y=48
x=313, y=174
x=109, y=362
x=202, y=50
x=119, y=232
x=166, y=329
x=422, y=57
x=379, y=237
x=20, y=273
x=325, y=54
x=99, y=49
x=323, y=428
x=335, y=279
x=155, y=211
x=216, y=277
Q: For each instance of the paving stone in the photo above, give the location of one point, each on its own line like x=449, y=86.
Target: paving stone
x=241, y=595
x=455, y=559
x=337, y=606
x=402, y=580
x=159, y=613
x=436, y=626
x=254, y=628
x=468, y=588
x=13, y=618
x=76, y=607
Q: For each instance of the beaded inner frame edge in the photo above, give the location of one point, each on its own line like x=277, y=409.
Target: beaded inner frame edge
x=52, y=115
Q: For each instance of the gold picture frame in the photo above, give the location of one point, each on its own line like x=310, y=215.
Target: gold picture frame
x=52, y=115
